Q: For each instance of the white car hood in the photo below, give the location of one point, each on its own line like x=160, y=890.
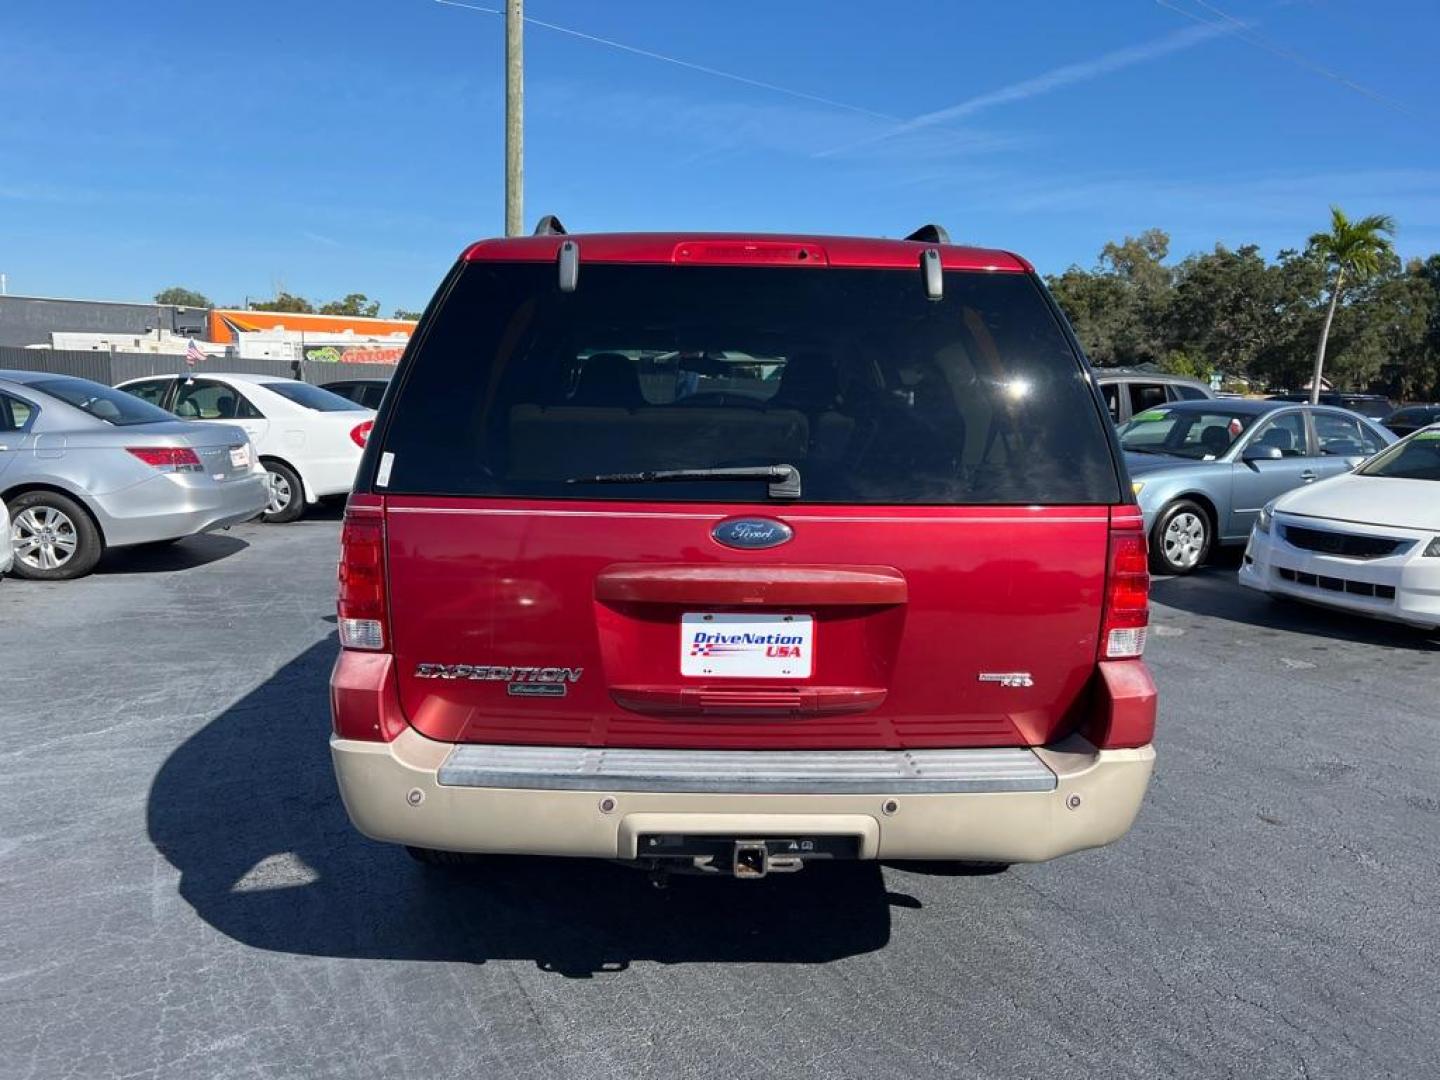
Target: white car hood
x=1369, y=500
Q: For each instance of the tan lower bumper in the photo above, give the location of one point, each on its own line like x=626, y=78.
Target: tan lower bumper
x=391, y=793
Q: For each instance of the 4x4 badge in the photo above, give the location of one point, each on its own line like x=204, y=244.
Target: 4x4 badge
x=752, y=533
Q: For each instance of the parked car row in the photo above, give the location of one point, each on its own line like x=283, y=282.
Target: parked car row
x=1128, y=392
x=85, y=467
x=307, y=438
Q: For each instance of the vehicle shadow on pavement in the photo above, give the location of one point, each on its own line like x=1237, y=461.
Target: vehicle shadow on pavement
x=1214, y=592
x=184, y=554
x=247, y=810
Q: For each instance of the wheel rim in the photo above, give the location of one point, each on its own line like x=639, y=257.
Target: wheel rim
x=44, y=538
x=280, y=494
x=1184, y=540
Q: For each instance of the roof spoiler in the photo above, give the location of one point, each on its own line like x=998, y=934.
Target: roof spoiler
x=930, y=234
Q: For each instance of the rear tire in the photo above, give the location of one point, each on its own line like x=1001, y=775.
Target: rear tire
x=53, y=536
x=287, y=494
x=1181, y=539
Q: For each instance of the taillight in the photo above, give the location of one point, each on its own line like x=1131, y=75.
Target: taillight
x=361, y=432
x=1127, y=588
x=361, y=612
x=168, y=458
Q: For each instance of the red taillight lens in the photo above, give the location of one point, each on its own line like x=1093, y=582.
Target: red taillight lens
x=361, y=432
x=362, y=608
x=1127, y=589
x=168, y=458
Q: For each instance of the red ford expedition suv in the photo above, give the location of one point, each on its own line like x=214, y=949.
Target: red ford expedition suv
x=726, y=552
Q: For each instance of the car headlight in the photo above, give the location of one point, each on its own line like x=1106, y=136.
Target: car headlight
x=1267, y=516
x=1433, y=551
x=1137, y=486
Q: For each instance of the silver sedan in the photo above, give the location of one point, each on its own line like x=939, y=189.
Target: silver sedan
x=84, y=468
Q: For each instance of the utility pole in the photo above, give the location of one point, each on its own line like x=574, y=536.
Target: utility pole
x=514, y=116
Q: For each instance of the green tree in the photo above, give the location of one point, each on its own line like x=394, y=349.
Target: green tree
x=1357, y=249
x=182, y=297
x=355, y=304
x=1223, y=309
x=285, y=301
x=1191, y=366
x=405, y=313
x=1297, y=279
x=1118, y=308
x=1097, y=306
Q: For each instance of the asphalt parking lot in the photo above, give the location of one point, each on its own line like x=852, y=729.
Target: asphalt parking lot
x=181, y=895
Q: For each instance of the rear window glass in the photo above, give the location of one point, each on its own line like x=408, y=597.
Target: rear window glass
x=102, y=402
x=873, y=393
x=311, y=397
x=1417, y=458
x=1191, y=433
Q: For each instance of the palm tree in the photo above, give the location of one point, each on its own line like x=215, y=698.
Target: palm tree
x=1353, y=248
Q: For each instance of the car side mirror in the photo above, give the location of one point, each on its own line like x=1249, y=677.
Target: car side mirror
x=1256, y=452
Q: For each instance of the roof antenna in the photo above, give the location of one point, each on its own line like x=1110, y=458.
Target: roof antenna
x=930, y=234
x=549, y=225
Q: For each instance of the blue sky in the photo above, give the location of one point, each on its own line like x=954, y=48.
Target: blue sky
x=332, y=147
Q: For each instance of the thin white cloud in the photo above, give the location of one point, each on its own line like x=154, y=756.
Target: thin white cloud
x=707, y=130
x=1055, y=79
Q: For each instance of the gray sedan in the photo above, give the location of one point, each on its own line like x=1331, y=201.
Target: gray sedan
x=1202, y=470
x=84, y=468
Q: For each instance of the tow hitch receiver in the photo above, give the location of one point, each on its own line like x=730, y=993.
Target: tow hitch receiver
x=752, y=859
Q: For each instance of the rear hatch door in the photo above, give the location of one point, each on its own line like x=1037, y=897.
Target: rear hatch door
x=936, y=582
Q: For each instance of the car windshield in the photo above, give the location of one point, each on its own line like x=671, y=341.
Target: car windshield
x=1416, y=458
x=1202, y=435
x=102, y=402
x=312, y=397
x=870, y=392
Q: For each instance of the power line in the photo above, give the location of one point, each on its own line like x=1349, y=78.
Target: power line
x=675, y=60
x=1241, y=29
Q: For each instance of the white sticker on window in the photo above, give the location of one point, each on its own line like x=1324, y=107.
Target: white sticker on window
x=387, y=462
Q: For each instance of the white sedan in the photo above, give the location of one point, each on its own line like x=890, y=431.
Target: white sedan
x=308, y=439
x=1367, y=541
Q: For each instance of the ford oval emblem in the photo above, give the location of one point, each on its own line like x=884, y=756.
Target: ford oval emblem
x=752, y=533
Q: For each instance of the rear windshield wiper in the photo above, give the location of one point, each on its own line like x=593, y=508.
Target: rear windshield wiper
x=784, y=480
x=1145, y=450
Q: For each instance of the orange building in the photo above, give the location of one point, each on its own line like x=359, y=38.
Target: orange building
x=226, y=323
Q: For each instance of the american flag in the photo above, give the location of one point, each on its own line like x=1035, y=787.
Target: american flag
x=193, y=353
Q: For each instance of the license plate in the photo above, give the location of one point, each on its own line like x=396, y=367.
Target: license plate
x=735, y=646
x=239, y=457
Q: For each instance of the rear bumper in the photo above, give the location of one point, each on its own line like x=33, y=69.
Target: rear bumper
x=166, y=506
x=1033, y=806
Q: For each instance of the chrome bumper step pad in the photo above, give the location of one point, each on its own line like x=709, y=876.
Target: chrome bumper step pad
x=769, y=772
